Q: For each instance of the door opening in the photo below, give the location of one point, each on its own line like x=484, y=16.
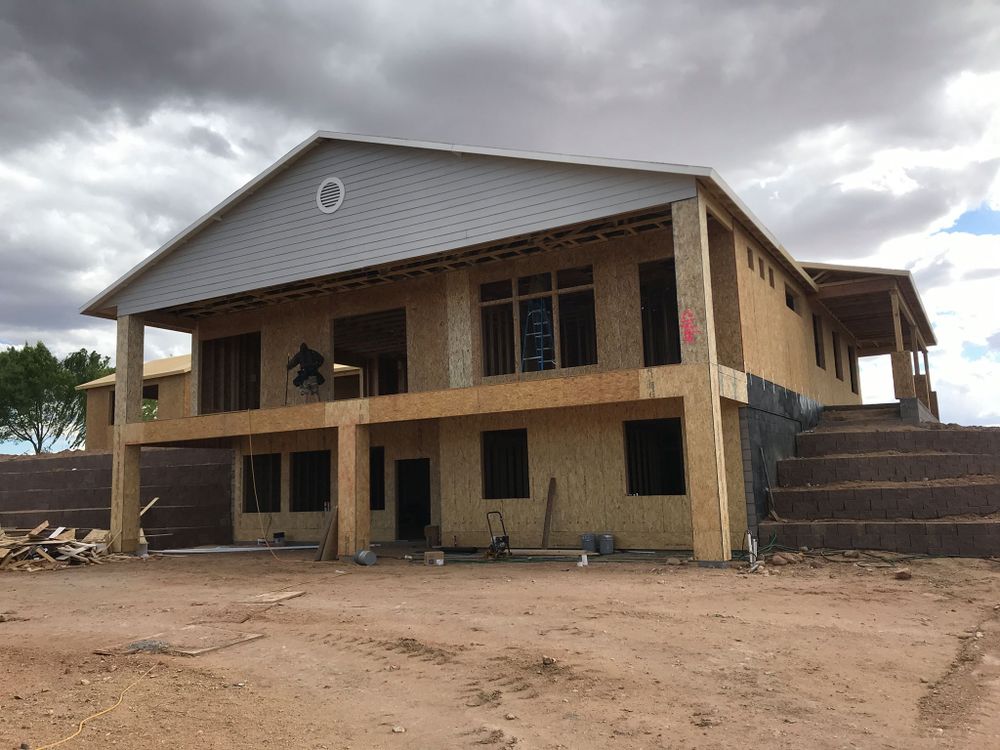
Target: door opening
x=413, y=497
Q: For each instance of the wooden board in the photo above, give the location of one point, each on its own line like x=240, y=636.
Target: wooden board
x=189, y=640
x=550, y=497
x=272, y=597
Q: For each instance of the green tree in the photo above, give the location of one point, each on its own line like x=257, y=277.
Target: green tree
x=38, y=401
x=83, y=366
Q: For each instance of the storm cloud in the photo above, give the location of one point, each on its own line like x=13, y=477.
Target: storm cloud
x=845, y=125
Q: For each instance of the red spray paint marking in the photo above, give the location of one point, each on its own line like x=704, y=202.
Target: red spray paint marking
x=689, y=327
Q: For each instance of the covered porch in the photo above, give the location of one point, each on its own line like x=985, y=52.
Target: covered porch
x=882, y=308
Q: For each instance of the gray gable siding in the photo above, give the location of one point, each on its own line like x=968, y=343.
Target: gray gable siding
x=400, y=203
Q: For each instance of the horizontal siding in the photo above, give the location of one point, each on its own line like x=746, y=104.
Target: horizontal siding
x=400, y=203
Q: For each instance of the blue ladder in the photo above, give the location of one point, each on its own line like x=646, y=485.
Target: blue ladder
x=537, y=338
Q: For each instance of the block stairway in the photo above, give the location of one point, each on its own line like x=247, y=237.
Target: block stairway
x=865, y=479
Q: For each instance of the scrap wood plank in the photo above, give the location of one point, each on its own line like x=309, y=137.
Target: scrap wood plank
x=189, y=640
x=272, y=597
x=552, y=553
x=45, y=555
x=76, y=554
x=39, y=529
x=549, y=502
x=149, y=505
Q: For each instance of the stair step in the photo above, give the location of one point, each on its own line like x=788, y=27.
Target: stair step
x=960, y=538
x=891, y=467
x=890, y=500
x=817, y=444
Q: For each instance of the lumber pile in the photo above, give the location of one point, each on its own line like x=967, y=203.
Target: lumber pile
x=50, y=548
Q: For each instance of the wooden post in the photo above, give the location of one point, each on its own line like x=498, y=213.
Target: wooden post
x=897, y=325
x=353, y=509
x=703, y=455
x=694, y=281
x=125, y=458
x=194, y=389
x=902, y=363
x=705, y=466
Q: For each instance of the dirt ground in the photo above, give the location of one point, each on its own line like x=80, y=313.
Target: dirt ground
x=646, y=655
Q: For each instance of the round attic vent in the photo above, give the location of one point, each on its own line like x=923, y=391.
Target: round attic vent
x=330, y=195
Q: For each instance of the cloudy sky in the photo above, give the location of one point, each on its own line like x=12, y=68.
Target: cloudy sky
x=860, y=131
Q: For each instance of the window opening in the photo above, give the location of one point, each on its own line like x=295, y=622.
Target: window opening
x=654, y=457
x=791, y=299
x=263, y=473
x=376, y=478
x=538, y=350
x=541, y=322
x=838, y=360
x=577, y=329
x=818, y=342
x=230, y=373
x=661, y=341
x=505, y=464
x=310, y=488
x=375, y=343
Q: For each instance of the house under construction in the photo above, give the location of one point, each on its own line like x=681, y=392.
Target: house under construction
x=490, y=321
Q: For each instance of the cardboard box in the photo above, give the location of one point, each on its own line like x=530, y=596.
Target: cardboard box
x=434, y=557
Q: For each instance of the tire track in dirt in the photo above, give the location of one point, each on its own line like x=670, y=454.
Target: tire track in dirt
x=490, y=688
x=970, y=689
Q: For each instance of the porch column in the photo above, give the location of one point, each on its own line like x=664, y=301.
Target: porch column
x=194, y=387
x=921, y=384
x=353, y=509
x=694, y=282
x=704, y=456
x=902, y=366
x=932, y=402
x=125, y=458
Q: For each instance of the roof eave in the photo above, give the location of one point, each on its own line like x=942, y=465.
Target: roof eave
x=99, y=307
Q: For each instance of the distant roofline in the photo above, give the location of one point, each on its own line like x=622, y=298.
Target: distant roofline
x=167, y=367
x=97, y=305
x=151, y=370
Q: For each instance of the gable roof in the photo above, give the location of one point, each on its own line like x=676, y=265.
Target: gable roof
x=155, y=368
x=103, y=305
x=179, y=365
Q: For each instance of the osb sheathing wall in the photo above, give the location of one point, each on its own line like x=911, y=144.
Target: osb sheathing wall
x=296, y=526
x=99, y=408
x=401, y=440
x=616, y=299
x=405, y=440
x=584, y=449
x=442, y=320
x=174, y=400
x=284, y=327
x=778, y=341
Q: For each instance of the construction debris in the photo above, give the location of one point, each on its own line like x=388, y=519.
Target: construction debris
x=189, y=640
x=51, y=548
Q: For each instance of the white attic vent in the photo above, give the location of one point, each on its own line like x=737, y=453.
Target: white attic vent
x=330, y=195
